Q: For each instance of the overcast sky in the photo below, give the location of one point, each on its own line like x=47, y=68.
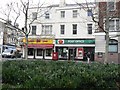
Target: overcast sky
x=3, y=2
x=46, y=2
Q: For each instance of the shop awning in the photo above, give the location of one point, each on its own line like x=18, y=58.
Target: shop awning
x=40, y=45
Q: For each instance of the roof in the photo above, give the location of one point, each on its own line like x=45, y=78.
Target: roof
x=67, y=5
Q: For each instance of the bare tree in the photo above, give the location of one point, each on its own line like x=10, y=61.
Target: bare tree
x=19, y=9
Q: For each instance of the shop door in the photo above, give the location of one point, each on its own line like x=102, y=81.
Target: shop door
x=43, y=54
x=71, y=54
x=34, y=53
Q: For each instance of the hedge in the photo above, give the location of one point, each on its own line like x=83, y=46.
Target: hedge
x=59, y=74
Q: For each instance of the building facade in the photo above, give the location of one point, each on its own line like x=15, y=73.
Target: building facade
x=114, y=32
x=10, y=35
x=65, y=28
x=2, y=27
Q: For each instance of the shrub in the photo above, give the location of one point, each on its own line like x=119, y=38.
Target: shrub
x=50, y=74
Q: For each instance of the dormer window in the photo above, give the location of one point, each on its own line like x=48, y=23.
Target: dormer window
x=47, y=15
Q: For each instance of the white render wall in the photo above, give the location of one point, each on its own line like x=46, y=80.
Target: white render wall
x=55, y=20
x=100, y=43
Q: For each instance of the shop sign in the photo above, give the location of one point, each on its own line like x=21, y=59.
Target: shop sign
x=72, y=41
x=38, y=41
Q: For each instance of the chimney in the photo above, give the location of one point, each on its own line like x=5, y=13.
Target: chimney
x=62, y=3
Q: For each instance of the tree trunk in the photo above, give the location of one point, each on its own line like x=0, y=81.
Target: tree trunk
x=26, y=48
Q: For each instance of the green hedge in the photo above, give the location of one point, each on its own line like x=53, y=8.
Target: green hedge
x=58, y=74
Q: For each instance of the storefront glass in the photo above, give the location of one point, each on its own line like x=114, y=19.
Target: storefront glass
x=39, y=52
x=30, y=51
x=48, y=52
x=62, y=53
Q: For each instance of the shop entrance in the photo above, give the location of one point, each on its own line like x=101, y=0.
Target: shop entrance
x=90, y=50
x=71, y=54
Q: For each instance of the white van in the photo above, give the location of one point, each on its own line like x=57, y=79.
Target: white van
x=8, y=51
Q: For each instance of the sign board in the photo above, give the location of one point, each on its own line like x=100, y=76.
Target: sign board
x=38, y=41
x=74, y=41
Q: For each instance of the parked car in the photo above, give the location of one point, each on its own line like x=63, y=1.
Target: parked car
x=8, y=53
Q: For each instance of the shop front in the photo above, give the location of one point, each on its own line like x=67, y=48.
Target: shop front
x=40, y=48
x=75, y=49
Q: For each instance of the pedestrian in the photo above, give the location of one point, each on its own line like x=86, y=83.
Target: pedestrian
x=88, y=55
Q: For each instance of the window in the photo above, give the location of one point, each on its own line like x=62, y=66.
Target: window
x=62, y=14
x=46, y=29
x=30, y=51
x=74, y=28
x=111, y=5
x=47, y=15
x=113, y=46
x=114, y=25
x=111, y=25
x=62, y=28
x=34, y=15
x=62, y=52
x=117, y=25
x=39, y=52
x=89, y=12
x=74, y=13
x=48, y=52
x=89, y=28
x=33, y=30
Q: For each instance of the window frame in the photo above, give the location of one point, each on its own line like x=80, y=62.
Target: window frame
x=30, y=50
x=47, y=15
x=115, y=25
x=34, y=15
x=40, y=50
x=112, y=43
x=74, y=26
x=75, y=13
x=34, y=29
x=62, y=29
x=89, y=27
x=62, y=14
x=49, y=53
x=113, y=5
x=46, y=30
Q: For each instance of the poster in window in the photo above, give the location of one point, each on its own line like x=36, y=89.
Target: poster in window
x=80, y=53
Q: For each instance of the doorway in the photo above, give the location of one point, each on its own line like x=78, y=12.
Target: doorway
x=91, y=50
x=71, y=53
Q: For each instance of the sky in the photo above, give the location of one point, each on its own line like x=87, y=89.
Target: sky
x=3, y=3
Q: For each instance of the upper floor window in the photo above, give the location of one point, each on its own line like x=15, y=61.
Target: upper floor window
x=47, y=15
x=62, y=29
x=33, y=30
x=62, y=14
x=74, y=28
x=34, y=15
x=111, y=5
x=46, y=29
x=89, y=12
x=114, y=25
x=74, y=13
x=89, y=28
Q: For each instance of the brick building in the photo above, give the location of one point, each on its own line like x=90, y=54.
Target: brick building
x=114, y=32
